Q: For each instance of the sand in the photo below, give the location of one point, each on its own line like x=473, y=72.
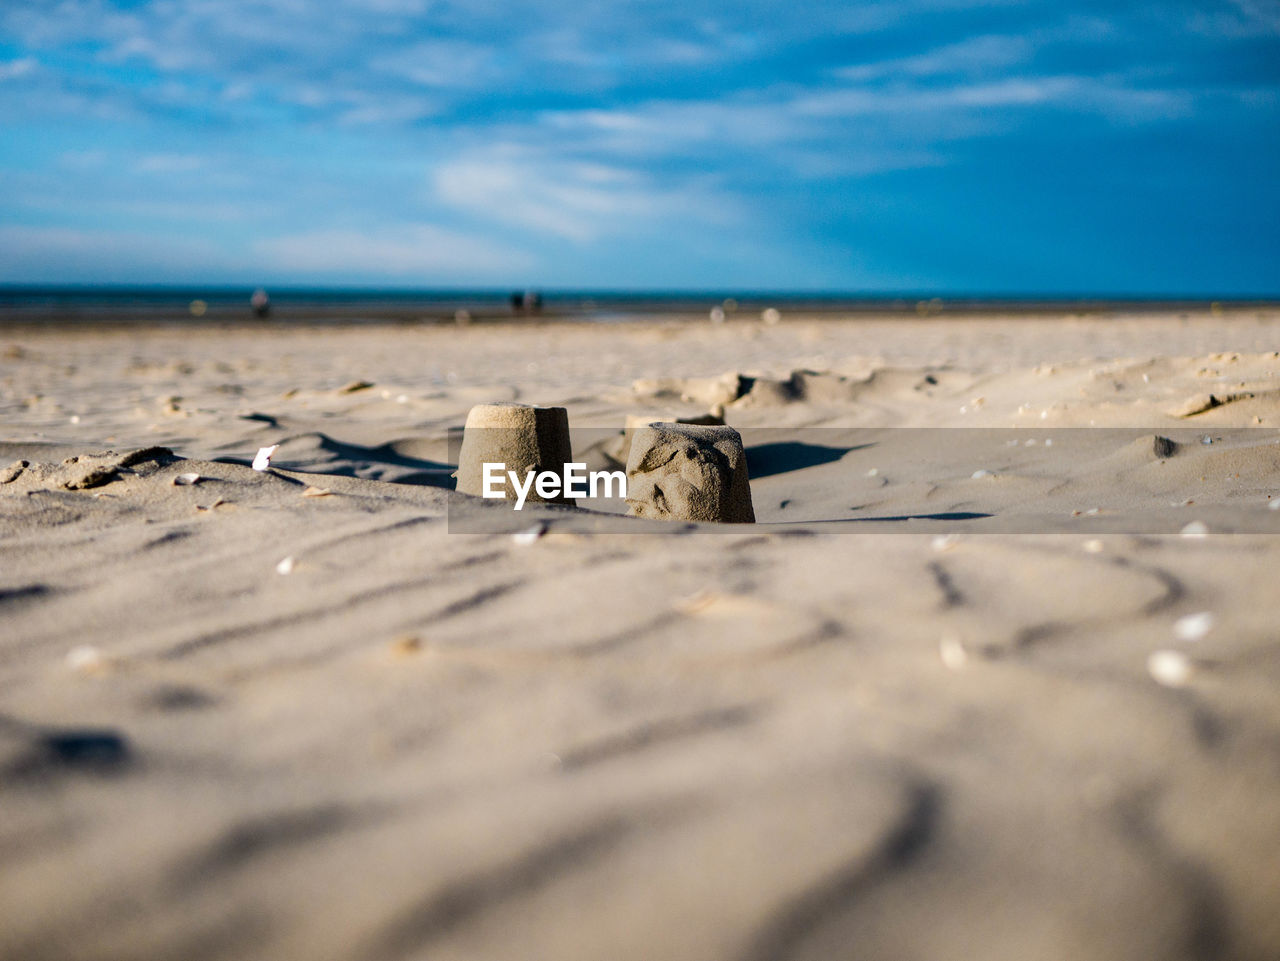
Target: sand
x=289, y=714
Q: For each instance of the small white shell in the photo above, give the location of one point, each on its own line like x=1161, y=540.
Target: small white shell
x=86, y=657
x=262, y=461
x=528, y=536
x=285, y=566
x=1170, y=668
x=1195, y=529
x=1192, y=627
x=951, y=650
x=186, y=480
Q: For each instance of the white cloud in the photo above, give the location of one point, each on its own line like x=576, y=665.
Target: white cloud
x=374, y=111
x=968, y=56
x=806, y=118
x=576, y=200
x=414, y=252
x=170, y=55
x=13, y=69
x=1263, y=12
x=442, y=63
x=1107, y=95
x=675, y=126
x=357, y=107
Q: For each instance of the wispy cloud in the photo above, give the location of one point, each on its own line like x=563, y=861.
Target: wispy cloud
x=1265, y=13
x=974, y=55
x=578, y=201
x=415, y=253
x=449, y=64
x=13, y=69
x=1077, y=93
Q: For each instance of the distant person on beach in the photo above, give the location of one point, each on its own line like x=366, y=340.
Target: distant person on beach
x=526, y=302
x=260, y=303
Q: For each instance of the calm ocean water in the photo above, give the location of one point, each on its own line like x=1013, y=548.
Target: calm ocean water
x=129, y=305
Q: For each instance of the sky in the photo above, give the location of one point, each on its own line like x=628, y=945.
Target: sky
x=901, y=146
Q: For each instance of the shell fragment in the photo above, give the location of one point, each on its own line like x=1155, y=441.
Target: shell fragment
x=262, y=461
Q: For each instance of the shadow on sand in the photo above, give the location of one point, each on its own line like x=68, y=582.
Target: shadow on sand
x=320, y=453
x=781, y=457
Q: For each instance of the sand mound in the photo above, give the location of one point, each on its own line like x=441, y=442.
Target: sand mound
x=743, y=390
x=705, y=391
x=87, y=470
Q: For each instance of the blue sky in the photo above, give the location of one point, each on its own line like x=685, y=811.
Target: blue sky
x=911, y=145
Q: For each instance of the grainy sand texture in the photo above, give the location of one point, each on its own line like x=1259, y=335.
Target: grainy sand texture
x=952, y=696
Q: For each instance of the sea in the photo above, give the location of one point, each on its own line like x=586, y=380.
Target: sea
x=311, y=305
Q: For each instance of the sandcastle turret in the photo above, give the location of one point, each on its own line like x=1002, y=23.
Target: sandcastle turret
x=521, y=437
x=689, y=472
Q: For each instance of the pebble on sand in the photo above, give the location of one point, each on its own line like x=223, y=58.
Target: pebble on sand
x=186, y=480
x=1170, y=668
x=262, y=460
x=1195, y=529
x=286, y=565
x=406, y=645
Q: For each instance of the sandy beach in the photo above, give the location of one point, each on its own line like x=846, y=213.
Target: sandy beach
x=954, y=695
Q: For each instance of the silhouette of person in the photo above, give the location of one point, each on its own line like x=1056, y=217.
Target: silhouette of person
x=260, y=303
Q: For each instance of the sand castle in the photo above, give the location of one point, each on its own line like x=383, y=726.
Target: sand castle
x=520, y=436
x=689, y=472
